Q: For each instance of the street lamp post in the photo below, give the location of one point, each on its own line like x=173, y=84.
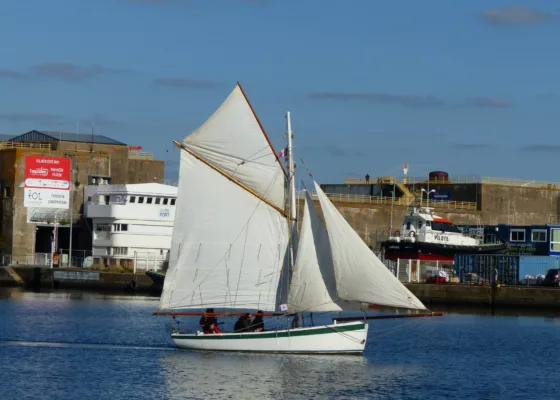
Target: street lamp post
x=427, y=196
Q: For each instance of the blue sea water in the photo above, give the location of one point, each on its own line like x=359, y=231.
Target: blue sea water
x=65, y=345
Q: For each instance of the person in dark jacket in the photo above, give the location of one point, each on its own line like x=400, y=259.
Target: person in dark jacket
x=209, y=323
x=243, y=324
x=258, y=323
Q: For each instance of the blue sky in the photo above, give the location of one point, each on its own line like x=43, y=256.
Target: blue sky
x=469, y=87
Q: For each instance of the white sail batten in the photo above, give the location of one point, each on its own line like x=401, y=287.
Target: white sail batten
x=313, y=284
x=228, y=247
x=233, y=140
x=360, y=275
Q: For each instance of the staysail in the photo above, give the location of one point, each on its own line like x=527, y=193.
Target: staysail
x=230, y=236
x=313, y=284
x=360, y=275
x=233, y=140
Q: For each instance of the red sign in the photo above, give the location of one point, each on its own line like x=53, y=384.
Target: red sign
x=47, y=172
x=134, y=148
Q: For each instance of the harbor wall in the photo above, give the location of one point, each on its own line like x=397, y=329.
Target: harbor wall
x=77, y=279
x=486, y=296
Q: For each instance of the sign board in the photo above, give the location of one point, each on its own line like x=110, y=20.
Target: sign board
x=75, y=276
x=134, y=148
x=46, y=198
x=445, y=196
x=47, y=182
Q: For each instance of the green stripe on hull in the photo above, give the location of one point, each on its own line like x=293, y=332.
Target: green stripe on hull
x=275, y=334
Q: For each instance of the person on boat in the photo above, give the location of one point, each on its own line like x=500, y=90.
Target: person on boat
x=209, y=323
x=258, y=323
x=243, y=324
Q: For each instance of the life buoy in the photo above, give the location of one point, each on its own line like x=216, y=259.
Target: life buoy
x=412, y=234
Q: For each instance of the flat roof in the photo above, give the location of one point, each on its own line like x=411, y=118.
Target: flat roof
x=134, y=188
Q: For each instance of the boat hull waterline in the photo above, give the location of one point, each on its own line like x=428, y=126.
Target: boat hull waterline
x=347, y=338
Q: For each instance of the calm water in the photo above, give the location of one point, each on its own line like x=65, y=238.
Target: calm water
x=86, y=346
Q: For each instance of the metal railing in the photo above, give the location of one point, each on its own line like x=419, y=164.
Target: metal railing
x=22, y=145
x=452, y=180
x=398, y=201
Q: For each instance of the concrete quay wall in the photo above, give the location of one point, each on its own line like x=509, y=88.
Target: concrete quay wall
x=77, y=279
x=486, y=296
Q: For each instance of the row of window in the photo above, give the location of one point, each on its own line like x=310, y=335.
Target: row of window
x=123, y=251
x=112, y=228
x=518, y=235
x=152, y=200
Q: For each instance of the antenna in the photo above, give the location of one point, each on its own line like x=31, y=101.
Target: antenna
x=91, y=147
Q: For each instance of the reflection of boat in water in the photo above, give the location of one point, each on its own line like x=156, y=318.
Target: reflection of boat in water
x=426, y=233
x=235, y=246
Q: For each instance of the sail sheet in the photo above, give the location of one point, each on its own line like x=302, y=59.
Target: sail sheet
x=313, y=285
x=360, y=275
x=233, y=140
x=228, y=247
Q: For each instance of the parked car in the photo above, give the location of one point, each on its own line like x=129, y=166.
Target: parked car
x=436, y=276
x=472, y=278
x=552, y=278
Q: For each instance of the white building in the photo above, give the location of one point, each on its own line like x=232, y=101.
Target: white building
x=131, y=221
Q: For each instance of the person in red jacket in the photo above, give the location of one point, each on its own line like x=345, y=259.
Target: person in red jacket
x=209, y=323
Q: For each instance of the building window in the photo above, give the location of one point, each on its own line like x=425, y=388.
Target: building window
x=172, y=202
x=538, y=235
x=120, y=227
x=7, y=193
x=555, y=239
x=517, y=235
x=158, y=200
x=103, y=228
x=99, y=180
x=133, y=199
x=165, y=201
x=140, y=200
x=89, y=199
x=149, y=200
x=120, y=251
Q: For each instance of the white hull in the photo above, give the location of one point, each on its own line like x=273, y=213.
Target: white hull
x=338, y=338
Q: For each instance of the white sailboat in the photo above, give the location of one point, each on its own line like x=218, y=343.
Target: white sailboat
x=235, y=247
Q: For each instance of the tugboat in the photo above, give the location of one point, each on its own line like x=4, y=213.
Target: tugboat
x=426, y=233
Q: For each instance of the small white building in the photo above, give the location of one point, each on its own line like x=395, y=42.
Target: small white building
x=131, y=222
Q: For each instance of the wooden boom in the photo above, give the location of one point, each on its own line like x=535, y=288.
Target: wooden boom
x=432, y=314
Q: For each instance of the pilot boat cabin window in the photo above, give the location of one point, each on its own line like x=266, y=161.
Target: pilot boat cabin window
x=420, y=224
x=517, y=235
x=444, y=227
x=538, y=235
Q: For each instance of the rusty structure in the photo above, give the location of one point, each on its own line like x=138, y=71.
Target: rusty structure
x=96, y=159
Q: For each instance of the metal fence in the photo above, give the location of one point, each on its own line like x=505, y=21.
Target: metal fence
x=397, y=201
x=486, y=267
x=451, y=180
x=415, y=270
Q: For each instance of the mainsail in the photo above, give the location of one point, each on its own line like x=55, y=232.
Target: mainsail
x=360, y=275
x=230, y=236
x=233, y=140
